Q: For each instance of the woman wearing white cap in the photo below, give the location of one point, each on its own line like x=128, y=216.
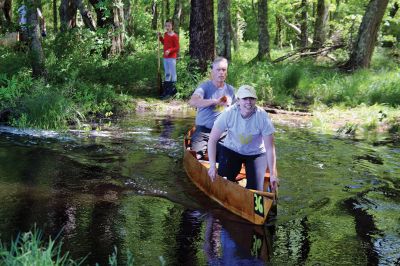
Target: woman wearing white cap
x=249, y=140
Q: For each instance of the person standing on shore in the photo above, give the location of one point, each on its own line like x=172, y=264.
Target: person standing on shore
x=170, y=40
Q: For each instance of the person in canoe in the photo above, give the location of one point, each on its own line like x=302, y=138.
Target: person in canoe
x=210, y=98
x=249, y=140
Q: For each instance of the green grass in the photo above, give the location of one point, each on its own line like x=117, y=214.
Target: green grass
x=30, y=248
x=356, y=121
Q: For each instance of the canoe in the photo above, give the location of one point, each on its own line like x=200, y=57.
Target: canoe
x=252, y=205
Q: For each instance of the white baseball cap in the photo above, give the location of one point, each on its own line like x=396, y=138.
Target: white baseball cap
x=245, y=91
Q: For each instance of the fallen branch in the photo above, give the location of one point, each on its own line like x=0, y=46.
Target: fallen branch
x=279, y=111
x=310, y=53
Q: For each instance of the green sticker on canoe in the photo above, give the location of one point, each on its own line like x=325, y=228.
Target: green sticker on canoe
x=259, y=204
x=256, y=245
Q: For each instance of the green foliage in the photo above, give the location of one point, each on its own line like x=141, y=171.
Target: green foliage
x=29, y=249
x=45, y=108
x=187, y=80
x=11, y=62
x=385, y=91
x=289, y=77
x=12, y=89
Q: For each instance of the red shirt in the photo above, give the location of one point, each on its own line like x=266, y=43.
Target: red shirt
x=171, y=43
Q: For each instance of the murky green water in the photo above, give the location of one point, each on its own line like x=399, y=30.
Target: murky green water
x=339, y=199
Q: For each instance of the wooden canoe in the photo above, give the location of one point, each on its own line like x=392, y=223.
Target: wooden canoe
x=252, y=205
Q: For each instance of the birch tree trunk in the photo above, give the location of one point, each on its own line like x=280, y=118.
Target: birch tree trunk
x=367, y=35
x=34, y=39
x=263, y=33
x=202, y=33
x=223, y=25
x=320, y=29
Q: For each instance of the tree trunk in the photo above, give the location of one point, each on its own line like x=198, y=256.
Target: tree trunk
x=128, y=17
x=336, y=13
x=102, y=19
x=224, y=22
x=303, y=27
x=263, y=33
x=177, y=15
x=155, y=15
x=394, y=10
x=167, y=9
x=118, y=28
x=162, y=13
x=236, y=31
x=320, y=29
x=68, y=10
x=55, y=19
x=367, y=35
x=202, y=33
x=86, y=15
x=67, y=14
x=34, y=39
x=278, y=32
x=6, y=10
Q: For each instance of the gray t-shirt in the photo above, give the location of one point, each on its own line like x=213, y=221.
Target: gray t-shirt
x=245, y=135
x=207, y=115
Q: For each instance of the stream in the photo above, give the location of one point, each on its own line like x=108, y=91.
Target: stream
x=124, y=188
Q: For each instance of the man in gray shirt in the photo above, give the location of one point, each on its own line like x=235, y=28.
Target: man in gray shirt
x=210, y=99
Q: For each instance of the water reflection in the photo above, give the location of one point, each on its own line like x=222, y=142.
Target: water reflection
x=226, y=242
x=126, y=188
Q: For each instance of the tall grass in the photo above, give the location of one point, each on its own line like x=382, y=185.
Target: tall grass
x=29, y=249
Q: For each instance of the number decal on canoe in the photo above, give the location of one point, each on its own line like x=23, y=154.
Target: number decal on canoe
x=256, y=245
x=259, y=204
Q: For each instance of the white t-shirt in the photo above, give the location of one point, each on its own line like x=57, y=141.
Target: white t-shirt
x=22, y=14
x=245, y=135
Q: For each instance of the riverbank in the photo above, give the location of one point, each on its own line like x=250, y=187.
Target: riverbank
x=362, y=122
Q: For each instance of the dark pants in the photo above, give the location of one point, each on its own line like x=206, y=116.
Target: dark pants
x=200, y=139
x=230, y=163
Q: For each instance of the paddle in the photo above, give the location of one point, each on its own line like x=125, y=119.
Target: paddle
x=264, y=193
x=159, y=80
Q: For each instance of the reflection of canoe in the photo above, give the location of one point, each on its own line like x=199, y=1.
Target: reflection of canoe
x=253, y=240
x=252, y=205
